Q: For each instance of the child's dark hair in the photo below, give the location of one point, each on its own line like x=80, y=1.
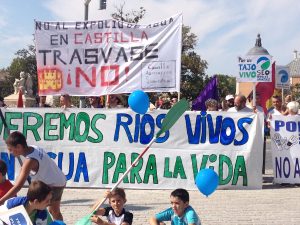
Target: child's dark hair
x=3, y=167
x=38, y=190
x=118, y=191
x=181, y=194
x=16, y=138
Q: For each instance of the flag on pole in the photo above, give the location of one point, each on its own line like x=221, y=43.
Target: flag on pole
x=266, y=90
x=210, y=91
x=20, y=99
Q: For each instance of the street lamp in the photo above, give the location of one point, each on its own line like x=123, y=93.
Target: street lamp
x=86, y=17
x=102, y=4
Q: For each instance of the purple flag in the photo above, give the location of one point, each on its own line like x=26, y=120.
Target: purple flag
x=210, y=91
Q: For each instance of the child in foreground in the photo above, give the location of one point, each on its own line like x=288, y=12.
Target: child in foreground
x=181, y=213
x=36, y=201
x=115, y=213
x=39, y=166
x=5, y=185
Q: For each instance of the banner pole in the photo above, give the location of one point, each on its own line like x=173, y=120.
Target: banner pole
x=254, y=95
x=107, y=100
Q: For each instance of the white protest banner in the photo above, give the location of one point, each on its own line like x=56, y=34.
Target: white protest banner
x=282, y=78
x=285, y=148
x=255, y=68
x=95, y=147
x=15, y=216
x=92, y=58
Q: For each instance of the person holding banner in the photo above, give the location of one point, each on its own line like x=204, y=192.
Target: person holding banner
x=229, y=102
x=240, y=105
x=36, y=201
x=39, y=166
x=277, y=107
x=42, y=102
x=293, y=108
x=257, y=107
x=211, y=104
x=65, y=101
x=94, y=102
x=116, y=101
x=181, y=213
x=287, y=100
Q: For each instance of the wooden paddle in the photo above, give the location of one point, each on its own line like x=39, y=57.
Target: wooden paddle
x=171, y=118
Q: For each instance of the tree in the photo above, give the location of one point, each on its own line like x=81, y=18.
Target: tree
x=25, y=61
x=131, y=17
x=226, y=85
x=193, y=77
x=4, y=86
x=295, y=91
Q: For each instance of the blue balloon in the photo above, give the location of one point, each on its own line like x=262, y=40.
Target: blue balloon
x=58, y=222
x=207, y=181
x=139, y=101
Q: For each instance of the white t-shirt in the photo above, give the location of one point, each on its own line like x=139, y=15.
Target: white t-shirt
x=245, y=109
x=48, y=171
x=274, y=112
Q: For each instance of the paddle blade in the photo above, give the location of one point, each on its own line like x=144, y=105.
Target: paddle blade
x=173, y=115
x=85, y=220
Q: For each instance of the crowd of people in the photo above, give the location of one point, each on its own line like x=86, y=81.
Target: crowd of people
x=231, y=103
x=43, y=198
x=238, y=103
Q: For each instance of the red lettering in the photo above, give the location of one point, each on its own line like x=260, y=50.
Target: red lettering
x=122, y=38
x=77, y=41
x=88, y=38
x=105, y=72
x=79, y=72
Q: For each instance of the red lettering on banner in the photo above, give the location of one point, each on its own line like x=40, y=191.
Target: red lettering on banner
x=109, y=76
x=105, y=70
x=107, y=37
x=79, y=72
x=88, y=39
x=76, y=39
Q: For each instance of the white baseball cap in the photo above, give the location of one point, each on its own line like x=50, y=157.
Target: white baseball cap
x=228, y=97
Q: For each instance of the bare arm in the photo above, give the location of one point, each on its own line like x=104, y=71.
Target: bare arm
x=96, y=204
x=96, y=219
x=153, y=221
x=100, y=212
x=24, y=173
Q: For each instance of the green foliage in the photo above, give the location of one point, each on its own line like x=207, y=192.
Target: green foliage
x=193, y=77
x=131, y=17
x=25, y=61
x=4, y=85
x=226, y=85
x=295, y=91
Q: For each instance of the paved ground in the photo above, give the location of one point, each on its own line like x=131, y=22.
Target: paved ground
x=274, y=205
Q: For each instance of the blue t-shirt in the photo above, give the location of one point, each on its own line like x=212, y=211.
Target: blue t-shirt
x=37, y=217
x=189, y=217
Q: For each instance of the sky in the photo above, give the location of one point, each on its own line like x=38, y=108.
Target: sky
x=225, y=29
